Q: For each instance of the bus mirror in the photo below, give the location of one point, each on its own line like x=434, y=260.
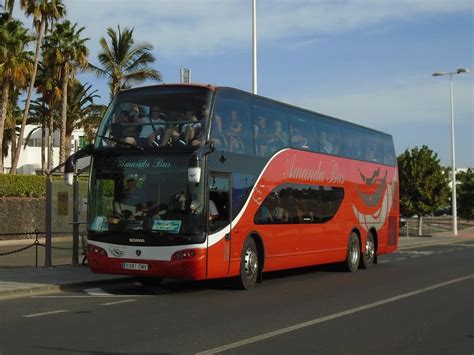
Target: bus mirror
x=194, y=174
x=69, y=178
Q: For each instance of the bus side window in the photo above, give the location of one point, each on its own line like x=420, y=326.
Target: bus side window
x=373, y=147
x=303, y=132
x=270, y=128
x=352, y=141
x=330, y=138
x=231, y=127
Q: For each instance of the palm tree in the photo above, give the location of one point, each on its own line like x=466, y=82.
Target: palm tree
x=43, y=12
x=80, y=107
x=9, y=4
x=41, y=114
x=11, y=122
x=48, y=85
x=124, y=63
x=15, y=64
x=66, y=48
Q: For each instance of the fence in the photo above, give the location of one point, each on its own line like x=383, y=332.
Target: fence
x=430, y=226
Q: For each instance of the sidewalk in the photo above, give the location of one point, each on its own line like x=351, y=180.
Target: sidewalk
x=25, y=281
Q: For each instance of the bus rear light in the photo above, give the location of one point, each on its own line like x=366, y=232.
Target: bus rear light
x=183, y=255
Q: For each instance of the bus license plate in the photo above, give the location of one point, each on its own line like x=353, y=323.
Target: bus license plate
x=135, y=266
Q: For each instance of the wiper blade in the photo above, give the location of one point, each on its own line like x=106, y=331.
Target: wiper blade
x=121, y=142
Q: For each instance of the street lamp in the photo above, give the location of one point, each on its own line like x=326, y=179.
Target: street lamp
x=453, y=153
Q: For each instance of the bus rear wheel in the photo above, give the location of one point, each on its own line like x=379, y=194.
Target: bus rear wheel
x=368, y=256
x=353, y=253
x=249, y=265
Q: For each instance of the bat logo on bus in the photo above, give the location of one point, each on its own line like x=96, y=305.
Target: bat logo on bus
x=378, y=201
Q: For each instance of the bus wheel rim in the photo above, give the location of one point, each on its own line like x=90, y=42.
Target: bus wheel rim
x=354, y=253
x=251, y=263
x=369, y=249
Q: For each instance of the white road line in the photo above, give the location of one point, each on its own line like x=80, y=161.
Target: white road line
x=116, y=302
x=96, y=292
x=330, y=317
x=399, y=258
x=92, y=296
x=382, y=261
x=45, y=313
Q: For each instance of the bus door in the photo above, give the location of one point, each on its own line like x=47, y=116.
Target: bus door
x=220, y=214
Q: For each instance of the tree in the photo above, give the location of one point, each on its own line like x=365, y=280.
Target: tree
x=123, y=62
x=465, y=194
x=12, y=121
x=48, y=85
x=15, y=64
x=80, y=106
x=43, y=12
x=67, y=49
x=423, y=185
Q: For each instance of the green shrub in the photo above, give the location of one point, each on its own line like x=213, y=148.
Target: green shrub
x=22, y=185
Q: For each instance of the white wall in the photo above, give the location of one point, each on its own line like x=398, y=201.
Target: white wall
x=30, y=157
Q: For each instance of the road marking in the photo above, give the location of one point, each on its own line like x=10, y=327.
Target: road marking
x=116, y=302
x=45, y=313
x=96, y=292
x=399, y=258
x=416, y=252
x=382, y=261
x=93, y=296
x=295, y=327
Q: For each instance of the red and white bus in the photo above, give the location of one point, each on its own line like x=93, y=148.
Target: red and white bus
x=198, y=182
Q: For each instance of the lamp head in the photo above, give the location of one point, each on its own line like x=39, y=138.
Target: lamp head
x=462, y=70
x=439, y=73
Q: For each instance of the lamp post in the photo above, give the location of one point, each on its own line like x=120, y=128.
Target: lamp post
x=254, y=46
x=453, y=152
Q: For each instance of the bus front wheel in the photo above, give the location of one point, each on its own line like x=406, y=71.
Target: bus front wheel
x=353, y=253
x=249, y=265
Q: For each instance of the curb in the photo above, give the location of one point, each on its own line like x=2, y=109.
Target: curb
x=69, y=287
x=432, y=243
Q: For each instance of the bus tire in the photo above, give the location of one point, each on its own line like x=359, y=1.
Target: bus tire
x=249, y=265
x=150, y=281
x=353, y=253
x=368, y=257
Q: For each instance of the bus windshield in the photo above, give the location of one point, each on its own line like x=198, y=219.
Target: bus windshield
x=148, y=195
x=155, y=117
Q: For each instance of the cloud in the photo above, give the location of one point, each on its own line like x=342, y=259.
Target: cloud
x=196, y=28
x=424, y=102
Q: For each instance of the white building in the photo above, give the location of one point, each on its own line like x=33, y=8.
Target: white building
x=30, y=157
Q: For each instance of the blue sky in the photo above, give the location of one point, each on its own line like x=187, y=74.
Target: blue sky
x=365, y=61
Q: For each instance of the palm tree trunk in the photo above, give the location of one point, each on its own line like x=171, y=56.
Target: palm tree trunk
x=62, y=142
x=28, y=98
x=13, y=147
x=43, y=147
x=3, y=116
x=50, y=141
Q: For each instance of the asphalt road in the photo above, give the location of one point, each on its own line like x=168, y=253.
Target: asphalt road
x=418, y=301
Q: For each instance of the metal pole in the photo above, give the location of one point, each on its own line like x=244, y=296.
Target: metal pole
x=49, y=203
x=254, y=47
x=453, y=159
x=75, y=221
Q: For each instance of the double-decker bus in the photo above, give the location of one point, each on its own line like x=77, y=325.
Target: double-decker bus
x=198, y=182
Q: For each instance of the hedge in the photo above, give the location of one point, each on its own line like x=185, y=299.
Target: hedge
x=25, y=185
x=22, y=185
